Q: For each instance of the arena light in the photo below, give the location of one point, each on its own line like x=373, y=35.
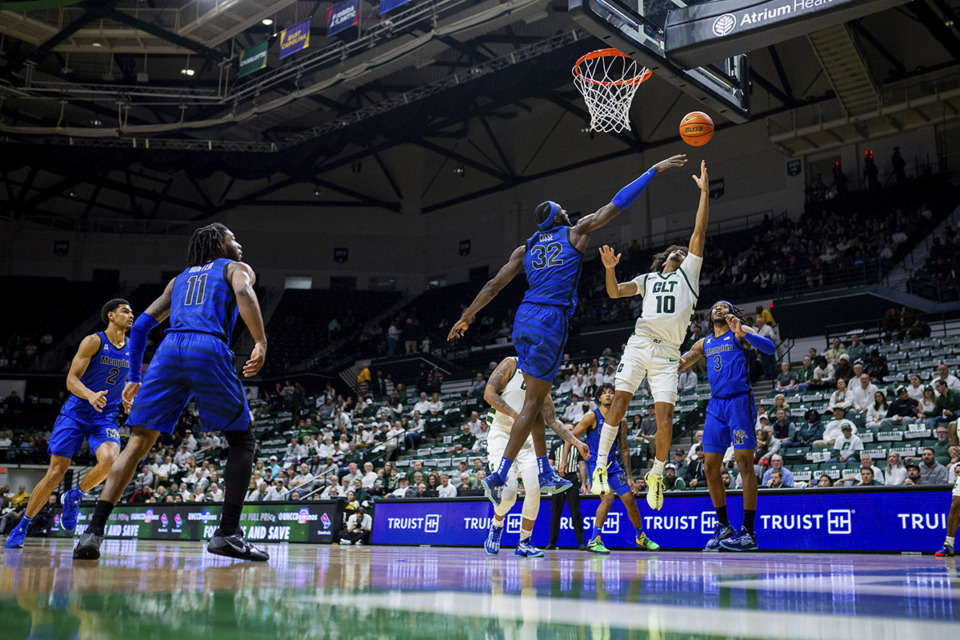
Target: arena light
x=267, y=22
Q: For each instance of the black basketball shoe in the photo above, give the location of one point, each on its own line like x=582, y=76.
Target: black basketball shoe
x=88, y=547
x=235, y=547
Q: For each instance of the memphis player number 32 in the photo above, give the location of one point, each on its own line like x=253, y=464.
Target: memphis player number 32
x=547, y=257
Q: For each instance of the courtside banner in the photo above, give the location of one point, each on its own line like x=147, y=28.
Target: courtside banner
x=253, y=59
x=390, y=5
x=343, y=15
x=295, y=38
x=315, y=522
x=801, y=520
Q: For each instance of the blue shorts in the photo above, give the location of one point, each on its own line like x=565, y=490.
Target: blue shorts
x=69, y=432
x=616, y=478
x=539, y=335
x=191, y=366
x=729, y=421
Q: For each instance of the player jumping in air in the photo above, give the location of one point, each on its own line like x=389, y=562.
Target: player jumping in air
x=620, y=479
x=194, y=361
x=730, y=418
x=551, y=261
x=505, y=391
x=953, y=519
x=669, y=298
x=96, y=378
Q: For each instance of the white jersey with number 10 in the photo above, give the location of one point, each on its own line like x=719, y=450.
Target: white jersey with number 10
x=669, y=300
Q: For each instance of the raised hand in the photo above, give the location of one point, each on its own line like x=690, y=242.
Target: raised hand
x=703, y=181
x=606, y=256
x=458, y=329
x=673, y=161
x=733, y=322
x=98, y=401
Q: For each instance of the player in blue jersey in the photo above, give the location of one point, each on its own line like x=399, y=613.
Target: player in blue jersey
x=194, y=362
x=96, y=378
x=551, y=260
x=730, y=418
x=619, y=478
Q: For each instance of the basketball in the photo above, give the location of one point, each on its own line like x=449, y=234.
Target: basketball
x=696, y=128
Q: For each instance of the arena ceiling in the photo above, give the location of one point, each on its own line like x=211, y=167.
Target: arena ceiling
x=122, y=111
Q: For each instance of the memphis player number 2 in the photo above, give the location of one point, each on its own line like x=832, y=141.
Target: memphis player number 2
x=195, y=288
x=547, y=257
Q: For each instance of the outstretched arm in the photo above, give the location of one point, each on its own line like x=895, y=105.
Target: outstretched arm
x=625, y=197
x=585, y=423
x=549, y=413
x=614, y=288
x=496, y=384
x=749, y=335
x=489, y=291
x=690, y=358
x=242, y=279
x=699, y=237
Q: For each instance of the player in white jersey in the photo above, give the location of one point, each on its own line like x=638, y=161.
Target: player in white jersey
x=505, y=392
x=653, y=351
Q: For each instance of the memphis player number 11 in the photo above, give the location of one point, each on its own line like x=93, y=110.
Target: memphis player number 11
x=195, y=287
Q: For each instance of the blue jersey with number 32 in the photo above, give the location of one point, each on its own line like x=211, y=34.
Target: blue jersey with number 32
x=552, y=266
x=727, y=367
x=203, y=301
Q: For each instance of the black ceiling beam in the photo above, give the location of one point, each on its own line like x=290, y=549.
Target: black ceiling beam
x=163, y=34
x=941, y=32
x=496, y=145
x=362, y=199
x=771, y=89
x=387, y=175
x=781, y=73
x=52, y=191
x=882, y=50
x=467, y=162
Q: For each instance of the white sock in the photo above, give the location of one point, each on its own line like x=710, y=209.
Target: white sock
x=607, y=436
x=950, y=540
x=498, y=523
x=525, y=535
x=657, y=468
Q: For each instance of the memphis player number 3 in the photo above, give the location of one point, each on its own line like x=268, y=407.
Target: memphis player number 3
x=195, y=287
x=547, y=257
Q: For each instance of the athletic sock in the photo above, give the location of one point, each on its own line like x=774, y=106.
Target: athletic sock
x=949, y=541
x=543, y=465
x=504, y=469
x=722, y=516
x=607, y=437
x=525, y=535
x=749, y=515
x=497, y=526
x=657, y=468
x=595, y=533
x=639, y=531
x=99, y=520
x=24, y=521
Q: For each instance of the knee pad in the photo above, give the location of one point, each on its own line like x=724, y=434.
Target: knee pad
x=507, y=498
x=531, y=498
x=242, y=439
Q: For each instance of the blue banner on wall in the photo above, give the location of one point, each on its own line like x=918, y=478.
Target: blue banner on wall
x=803, y=520
x=295, y=38
x=343, y=15
x=390, y=5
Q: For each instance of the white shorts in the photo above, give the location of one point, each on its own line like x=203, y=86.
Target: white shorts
x=657, y=362
x=497, y=444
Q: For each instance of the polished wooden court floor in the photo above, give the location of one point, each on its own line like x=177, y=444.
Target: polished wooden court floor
x=141, y=590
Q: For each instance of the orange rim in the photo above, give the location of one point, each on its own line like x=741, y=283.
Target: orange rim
x=602, y=53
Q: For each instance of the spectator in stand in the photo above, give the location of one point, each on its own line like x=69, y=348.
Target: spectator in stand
x=687, y=381
x=804, y=375
x=278, y=492
x=866, y=461
x=786, y=382
x=393, y=338
x=783, y=428
x=767, y=446
x=857, y=350
x=840, y=397
x=833, y=354
x=895, y=472
x=411, y=336
x=915, y=388
x=575, y=411
x=696, y=473
x=697, y=442
x=579, y=383
x=776, y=465
x=861, y=393
x=943, y=373
x=941, y=448
x=901, y=410
x=475, y=423
x=824, y=375
x=847, y=446
x=422, y=406
x=931, y=471
x=477, y=387
x=216, y=495
x=877, y=412
x=843, y=370
x=834, y=428
x=913, y=474
x=566, y=387
x=680, y=462
x=257, y=493
x=927, y=407
x=357, y=532
x=670, y=480
x=877, y=367
x=768, y=362
x=446, y=490
x=435, y=406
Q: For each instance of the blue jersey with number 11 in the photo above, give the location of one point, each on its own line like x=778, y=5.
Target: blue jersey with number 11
x=552, y=265
x=202, y=301
x=727, y=367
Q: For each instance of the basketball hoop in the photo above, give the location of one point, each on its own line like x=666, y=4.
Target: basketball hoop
x=608, y=80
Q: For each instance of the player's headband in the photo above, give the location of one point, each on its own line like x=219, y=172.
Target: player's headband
x=549, y=220
x=732, y=308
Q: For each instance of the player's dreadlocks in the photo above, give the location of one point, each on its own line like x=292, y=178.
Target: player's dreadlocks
x=660, y=258
x=206, y=244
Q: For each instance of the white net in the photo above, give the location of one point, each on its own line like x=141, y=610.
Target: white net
x=608, y=81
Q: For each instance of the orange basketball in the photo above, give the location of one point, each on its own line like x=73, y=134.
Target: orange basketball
x=696, y=128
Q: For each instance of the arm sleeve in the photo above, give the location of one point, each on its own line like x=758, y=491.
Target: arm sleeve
x=761, y=344
x=138, y=344
x=626, y=196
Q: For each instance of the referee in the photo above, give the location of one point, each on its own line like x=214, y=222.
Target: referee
x=573, y=470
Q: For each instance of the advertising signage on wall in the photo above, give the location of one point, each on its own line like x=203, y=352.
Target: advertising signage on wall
x=803, y=520
x=316, y=522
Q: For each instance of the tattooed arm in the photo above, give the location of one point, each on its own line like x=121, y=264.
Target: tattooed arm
x=497, y=383
x=549, y=415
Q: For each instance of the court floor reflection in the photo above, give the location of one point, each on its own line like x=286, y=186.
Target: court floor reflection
x=143, y=590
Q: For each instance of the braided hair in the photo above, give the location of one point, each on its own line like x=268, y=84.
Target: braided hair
x=206, y=244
